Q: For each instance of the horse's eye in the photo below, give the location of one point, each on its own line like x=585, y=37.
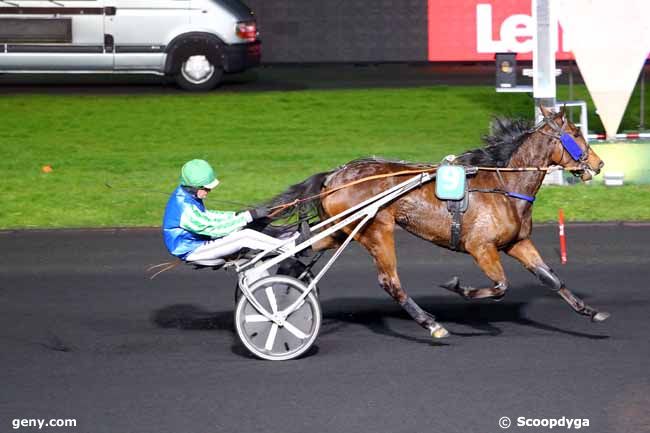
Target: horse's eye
x=577, y=134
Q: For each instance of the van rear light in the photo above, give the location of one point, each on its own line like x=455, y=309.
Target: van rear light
x=247, y=30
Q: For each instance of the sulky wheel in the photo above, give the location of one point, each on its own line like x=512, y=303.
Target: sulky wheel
x=291, y=337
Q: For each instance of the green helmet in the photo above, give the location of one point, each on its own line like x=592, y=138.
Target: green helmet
x=197, y=173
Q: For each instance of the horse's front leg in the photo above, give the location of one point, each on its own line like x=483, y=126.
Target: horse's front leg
x=379, y=241
x=527, y=254
x=487, y=258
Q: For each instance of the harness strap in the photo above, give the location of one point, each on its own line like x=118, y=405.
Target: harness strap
x=456, y=209
x=528, y=198
x=456, y=224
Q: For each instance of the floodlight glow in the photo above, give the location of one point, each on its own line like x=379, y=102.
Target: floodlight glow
x=632, y=159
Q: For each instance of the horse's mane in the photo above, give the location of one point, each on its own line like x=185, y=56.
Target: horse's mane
x=505, y=138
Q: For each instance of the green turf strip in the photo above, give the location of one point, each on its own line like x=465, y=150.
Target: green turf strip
x=258, y=143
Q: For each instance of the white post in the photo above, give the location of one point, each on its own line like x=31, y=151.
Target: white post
x=544, y=47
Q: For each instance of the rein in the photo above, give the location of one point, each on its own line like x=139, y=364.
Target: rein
x=279, y=208
x=568, y=144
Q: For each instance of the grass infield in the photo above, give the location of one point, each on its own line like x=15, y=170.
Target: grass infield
x=259, y=143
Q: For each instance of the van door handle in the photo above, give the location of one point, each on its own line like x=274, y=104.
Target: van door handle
x=109, y=43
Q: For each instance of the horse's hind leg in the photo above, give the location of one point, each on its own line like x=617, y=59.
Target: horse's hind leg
x=487, y=257
x=379, y=241
x=527, y=254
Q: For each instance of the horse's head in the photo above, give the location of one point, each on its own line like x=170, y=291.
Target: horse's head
x=570, y=150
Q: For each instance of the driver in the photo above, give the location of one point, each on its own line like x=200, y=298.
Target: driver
x=194, y=234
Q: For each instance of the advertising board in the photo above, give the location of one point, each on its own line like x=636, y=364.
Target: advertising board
x=473, y=30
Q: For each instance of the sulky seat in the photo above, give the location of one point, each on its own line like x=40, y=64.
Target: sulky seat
x=212, y=263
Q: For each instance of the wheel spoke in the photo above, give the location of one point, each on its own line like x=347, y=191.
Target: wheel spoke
x=297, y=307
x=271, y=297
x=271, y=338
x=255, y=318
x=295, y=331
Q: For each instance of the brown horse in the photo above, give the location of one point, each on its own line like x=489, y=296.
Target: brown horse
x=498, y=216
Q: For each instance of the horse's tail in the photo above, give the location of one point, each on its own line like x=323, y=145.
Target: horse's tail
x=309, y=187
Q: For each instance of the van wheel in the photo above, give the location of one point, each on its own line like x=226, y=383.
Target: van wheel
x=198, y=73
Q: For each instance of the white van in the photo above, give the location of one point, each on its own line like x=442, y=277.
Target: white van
x=194, y=41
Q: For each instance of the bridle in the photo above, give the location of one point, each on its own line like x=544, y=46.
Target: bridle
x=569, y=145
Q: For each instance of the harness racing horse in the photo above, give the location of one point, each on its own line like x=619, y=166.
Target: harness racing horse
x=498, y=216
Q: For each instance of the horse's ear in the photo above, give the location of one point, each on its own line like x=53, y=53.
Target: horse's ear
x=562, y=111
x=545, y=112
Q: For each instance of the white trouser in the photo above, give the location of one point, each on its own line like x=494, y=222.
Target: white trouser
x=234, y=242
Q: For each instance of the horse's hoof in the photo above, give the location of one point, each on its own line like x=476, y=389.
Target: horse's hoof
x=437, y=331
x=600, y=317
x=452, y=284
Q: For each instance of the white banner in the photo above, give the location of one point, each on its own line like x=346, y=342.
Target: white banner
x=610, y=41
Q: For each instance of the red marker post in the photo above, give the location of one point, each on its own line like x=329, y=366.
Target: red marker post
x=562, y=236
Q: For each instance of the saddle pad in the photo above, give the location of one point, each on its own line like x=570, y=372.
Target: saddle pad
x=450, y=182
